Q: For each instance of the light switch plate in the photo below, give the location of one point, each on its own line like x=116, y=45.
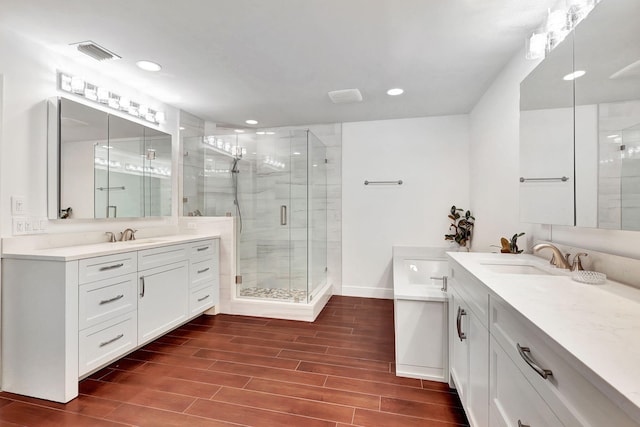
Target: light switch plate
x=18, y=205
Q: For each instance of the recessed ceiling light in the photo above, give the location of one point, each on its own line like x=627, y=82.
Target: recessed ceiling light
x=181, y=128
x=574, y=75
x=149, y=65
x=260, y=132
x=395, y=91
x=295, y=153
x=270, y=133
x=238, y=130
x=613, y=136
x=251, y=122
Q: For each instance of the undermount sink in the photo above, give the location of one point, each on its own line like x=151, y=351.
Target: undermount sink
x=515, y=269
x=143, y=241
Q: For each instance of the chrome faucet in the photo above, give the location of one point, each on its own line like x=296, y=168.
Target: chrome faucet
x=558, y=259
x=128, y=234
x=110, y=236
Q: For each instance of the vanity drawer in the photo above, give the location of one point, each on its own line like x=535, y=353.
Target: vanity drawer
x=203, y=298
x=202, y=271
x=204, y=249
x=105, y=342
x=158, y=257
x=105, y=267
x=106, y=299
x=574, y=399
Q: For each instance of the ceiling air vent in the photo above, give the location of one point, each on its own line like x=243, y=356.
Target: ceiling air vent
x=345, y=96
x=95, y=51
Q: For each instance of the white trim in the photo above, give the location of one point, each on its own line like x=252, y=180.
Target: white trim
x=367, y=292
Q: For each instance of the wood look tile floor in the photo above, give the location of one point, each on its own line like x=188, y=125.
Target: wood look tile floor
x=244, y=371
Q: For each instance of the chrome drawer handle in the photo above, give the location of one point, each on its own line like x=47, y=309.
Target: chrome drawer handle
x=107, y=301
x=461, y=313
x=203, y=298
x=142, y=286
x=525, y=353
x=203, y=270
x=444, y=282
x=203, y=249
x=111, y=267
x=522, y=425
x=114, y=339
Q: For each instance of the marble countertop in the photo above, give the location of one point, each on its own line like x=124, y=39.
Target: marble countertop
x=71, y=253
x=599, y=325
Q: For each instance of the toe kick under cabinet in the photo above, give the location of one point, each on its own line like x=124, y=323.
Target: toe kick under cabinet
x=64, y=319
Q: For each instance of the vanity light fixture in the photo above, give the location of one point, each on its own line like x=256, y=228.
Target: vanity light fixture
x=574, y=75
x=78, y=86
x=251, y=122
x=395, y=92
x=149, y=65
x=559, y=22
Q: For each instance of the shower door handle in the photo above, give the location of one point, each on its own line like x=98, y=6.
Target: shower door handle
x=283, y=215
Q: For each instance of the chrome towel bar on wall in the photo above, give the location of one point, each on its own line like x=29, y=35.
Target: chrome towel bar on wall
x=563, y=179
x=398, y=182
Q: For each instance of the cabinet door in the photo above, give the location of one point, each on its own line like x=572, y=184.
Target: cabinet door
x=459, y=358
x=163, y=299
x=513, y=400
x=478, y=387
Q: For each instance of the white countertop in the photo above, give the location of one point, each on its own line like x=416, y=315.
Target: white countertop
x=429, y=262
x=599, y=325
x=71, y=253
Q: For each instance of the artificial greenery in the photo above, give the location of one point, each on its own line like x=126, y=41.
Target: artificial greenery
x=511, y=246
x=461, y=225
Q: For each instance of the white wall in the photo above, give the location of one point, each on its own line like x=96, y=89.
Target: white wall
x=29, y=73
x=430, y=155
x=494, y=130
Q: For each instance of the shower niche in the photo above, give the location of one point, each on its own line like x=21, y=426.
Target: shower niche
x=275, y=185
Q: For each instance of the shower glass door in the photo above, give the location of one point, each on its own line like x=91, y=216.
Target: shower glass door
x=272, y=224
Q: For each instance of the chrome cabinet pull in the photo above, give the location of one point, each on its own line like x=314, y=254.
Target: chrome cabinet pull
x=444, y=282
x=522, y=425
x=114, y=339
x=111, y=267
x=202, y=249
x=107, y=301
x=203, y=298
x=525, y=353
x=283, y=215
x=142, y=286
x=203, y=270
x=461, y=313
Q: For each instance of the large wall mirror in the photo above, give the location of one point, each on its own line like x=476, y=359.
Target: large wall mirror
x=590, y=125
x=104, y=166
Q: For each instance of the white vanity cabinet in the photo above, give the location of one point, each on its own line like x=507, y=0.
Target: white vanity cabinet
x=67, y=312
x=163, y=293
x=512, y=371
x=469, y=344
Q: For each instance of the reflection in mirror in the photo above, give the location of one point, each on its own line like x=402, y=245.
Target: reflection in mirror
x=82, y=130
x=119, y=188
x=607, y=101
x=546, y=140
x=104, y=166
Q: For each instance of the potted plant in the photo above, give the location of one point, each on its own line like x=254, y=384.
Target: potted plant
x=511, y=246
x=462, y=227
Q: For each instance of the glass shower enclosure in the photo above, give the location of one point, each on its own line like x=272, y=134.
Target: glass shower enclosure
x=275, y=184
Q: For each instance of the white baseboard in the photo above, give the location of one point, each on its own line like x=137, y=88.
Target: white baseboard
x=367, y=292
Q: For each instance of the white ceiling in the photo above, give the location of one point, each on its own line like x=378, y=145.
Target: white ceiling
x=275, y=60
